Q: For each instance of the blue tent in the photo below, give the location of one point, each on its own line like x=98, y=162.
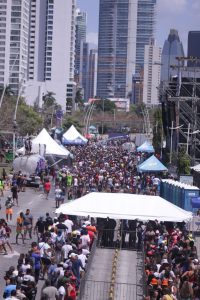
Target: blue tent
x=152, y=164
x=146, y=147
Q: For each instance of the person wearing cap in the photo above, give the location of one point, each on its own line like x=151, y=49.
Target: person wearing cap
x=76, y=265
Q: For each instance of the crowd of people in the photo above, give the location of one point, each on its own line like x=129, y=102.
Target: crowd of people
x=171, y=264
x=59, y=257
x=102, y=168
x=60, y=252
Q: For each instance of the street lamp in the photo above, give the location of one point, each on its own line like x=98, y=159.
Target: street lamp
x=172, y=128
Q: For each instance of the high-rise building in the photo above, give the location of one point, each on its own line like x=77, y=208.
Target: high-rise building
x=14, y=30
x=145, y=29
x=125, y=27
x=51, y=49
x=194, y=48
x=84, y=69
x=152, y=67
x=92, y=80
x=81, y=22
x=116, y=47
x=172, y=49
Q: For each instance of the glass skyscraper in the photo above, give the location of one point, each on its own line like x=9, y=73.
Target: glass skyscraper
x=172, y=48
x=194, y=48
x=116, y=47
x=145, y=29
x=125, y=27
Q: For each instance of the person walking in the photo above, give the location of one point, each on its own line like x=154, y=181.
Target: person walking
x=28, y=224
x=14, y=191
x=1, y=187
x=9, y=211
x=47, y=188
x=19, y=227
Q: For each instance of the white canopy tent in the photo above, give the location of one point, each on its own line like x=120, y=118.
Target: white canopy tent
x=44, y=142
x=72, y=136
x=125, y=206
x=196, y=168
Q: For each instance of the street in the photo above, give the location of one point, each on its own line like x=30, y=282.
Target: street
x=38, y=205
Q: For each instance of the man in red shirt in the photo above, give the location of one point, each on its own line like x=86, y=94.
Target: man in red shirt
x=47, y=188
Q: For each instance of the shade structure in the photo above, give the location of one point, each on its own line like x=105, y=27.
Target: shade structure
x=196, y=168
x=126, y=207
x=73, y=137
x=152, y=164
x=146, y=147
x=43, y=143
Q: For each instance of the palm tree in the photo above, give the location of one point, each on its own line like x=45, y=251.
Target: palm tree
x=49, y=99
x=8, y=91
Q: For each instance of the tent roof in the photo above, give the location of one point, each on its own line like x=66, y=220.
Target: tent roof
x=152, y=164
x=146, y=147
x=125, y=206
x=72, y=135
x=196, y=168
x=52, y=148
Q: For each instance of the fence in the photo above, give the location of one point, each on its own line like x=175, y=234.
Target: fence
x=122, y=239
x=99, y=290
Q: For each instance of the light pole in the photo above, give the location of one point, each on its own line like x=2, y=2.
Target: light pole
x=172, y=128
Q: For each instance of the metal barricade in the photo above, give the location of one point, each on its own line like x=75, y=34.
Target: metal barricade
x=121, y=239
x=99, y=290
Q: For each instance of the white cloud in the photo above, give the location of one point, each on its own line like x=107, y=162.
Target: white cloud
x=92, y=38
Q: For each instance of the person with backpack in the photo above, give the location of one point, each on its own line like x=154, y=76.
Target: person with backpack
x=48, y=222
x=59, y=242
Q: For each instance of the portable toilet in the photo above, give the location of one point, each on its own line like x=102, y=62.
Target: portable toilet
x=189, y=193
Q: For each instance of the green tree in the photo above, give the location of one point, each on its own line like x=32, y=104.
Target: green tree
x=105, y=105
x=69, y=121
x=28, y=121
x=184, y=162
x=157, y=130
x=48, y=99
x=8, y=91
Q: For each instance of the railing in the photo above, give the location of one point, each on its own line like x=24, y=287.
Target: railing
x=84, y=279
x=121, y=239
x=99, y=290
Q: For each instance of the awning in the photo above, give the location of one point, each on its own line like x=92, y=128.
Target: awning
x=152, y=164
x=146, y=147
x=125, y=206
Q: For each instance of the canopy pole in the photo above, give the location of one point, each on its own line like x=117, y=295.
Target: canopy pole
x=56, y=162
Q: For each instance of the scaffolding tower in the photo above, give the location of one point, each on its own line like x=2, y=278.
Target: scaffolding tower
x=180, y=98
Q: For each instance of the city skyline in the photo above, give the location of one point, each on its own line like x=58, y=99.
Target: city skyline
x=168, y=16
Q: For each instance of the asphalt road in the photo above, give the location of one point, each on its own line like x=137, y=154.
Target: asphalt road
x=38, y=206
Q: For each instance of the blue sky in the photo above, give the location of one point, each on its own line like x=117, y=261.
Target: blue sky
x=183, y=15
